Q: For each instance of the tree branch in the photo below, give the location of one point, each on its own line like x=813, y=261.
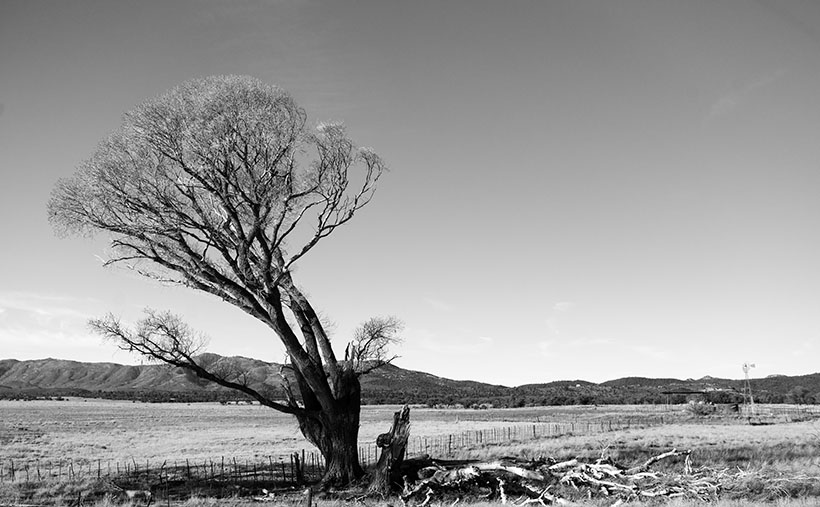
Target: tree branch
x=163, y=337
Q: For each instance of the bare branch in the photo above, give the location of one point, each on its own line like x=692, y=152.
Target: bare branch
x=369, y=348
x=163, y=337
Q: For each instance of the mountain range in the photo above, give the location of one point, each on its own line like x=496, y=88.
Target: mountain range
x=389, y=384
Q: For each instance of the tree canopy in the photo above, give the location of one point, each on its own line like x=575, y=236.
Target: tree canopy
x=220, y=185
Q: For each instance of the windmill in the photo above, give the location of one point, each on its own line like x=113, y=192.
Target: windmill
x=747, y=388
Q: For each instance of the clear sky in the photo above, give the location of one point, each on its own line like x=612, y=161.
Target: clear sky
x=578, y=189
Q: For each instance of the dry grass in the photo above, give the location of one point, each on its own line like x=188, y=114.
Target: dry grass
x=792, y=446
x=780, y=464
x=114, y=431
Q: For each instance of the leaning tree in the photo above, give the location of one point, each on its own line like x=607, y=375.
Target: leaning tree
x=220, y=185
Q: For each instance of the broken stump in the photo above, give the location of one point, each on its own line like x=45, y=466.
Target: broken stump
x=393, y=445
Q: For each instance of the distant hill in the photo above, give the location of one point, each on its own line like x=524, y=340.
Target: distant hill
x=642, y=382
x=390, y=384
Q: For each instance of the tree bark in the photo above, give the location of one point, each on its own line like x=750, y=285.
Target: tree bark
x=394, y=445
x=336, y=433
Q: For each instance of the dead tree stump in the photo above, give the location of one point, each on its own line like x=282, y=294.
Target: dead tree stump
x=393, y=445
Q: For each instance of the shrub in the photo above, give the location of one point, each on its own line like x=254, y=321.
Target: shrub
x=701, y=409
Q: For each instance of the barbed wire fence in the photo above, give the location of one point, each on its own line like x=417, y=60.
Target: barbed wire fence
x=295, y=468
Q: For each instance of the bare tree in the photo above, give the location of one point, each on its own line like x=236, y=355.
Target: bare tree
x=218, y=185
x=370, y=346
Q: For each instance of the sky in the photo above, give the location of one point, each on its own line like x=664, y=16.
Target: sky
x=577, y=190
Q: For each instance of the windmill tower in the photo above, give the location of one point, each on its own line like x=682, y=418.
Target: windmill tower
x=747, y=388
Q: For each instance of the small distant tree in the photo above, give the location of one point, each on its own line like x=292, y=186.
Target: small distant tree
x=701, y=409
x=724, y=397
x=220, y=186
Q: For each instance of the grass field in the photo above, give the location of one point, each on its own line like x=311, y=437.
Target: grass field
x=777, y=463
x=118, y=431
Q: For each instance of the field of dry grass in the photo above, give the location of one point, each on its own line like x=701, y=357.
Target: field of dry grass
x=776, y=463
x=111, y=430
x=796, y=444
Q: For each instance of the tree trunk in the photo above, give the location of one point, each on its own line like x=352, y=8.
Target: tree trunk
x=336, y=433
x=342, y=455
x=394, y=446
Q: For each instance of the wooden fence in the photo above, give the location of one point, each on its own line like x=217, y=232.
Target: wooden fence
x=296, y=468
x=449, y=445
x=292, y=469
x=778, y=413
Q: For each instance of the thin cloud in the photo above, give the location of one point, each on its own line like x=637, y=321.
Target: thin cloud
x=571, y=348
x=558, y=309
x=42, y=339
x=546, y=348
x=803, y=349
x=36, y=325
x=552, y=325
x=736, y=97
x=601, y=341
x=439, y=304
x=649, y=351
x=433, y=342
x=57, y=341
x=47, y=305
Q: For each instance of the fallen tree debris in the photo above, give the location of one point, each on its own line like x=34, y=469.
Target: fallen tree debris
x=546, y=482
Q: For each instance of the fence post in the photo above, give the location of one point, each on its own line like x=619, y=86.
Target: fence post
x=300, y=467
